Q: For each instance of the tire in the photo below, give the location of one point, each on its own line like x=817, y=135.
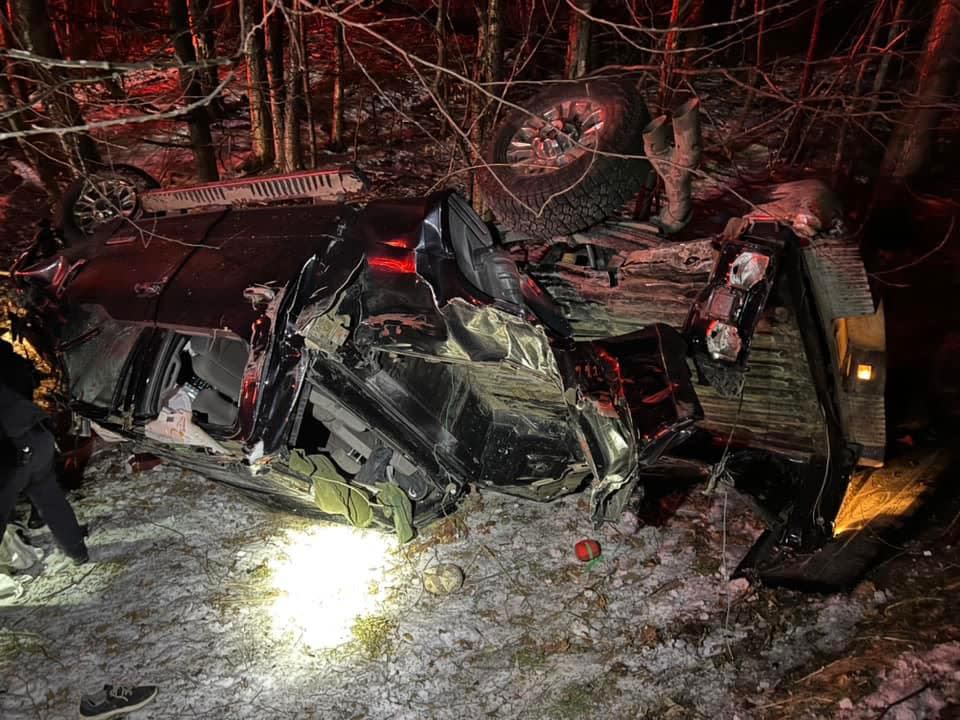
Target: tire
x=589, y=188
x=73, y=228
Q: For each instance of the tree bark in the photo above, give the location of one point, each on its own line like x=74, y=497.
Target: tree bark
x=694, y=38
x=258, y=87
x=489, y=68
x=273, y=12
x=198, y=119
x=811, y=51
x=881, y=76
x=439, y=30
x=912, y=141
x=305, y=80
x=576, y=62
x=31, y=22
x=669, y=50
x=38, y=160
x=205, y=42
x=336, y=122
x=14, y=71
x=293, y=113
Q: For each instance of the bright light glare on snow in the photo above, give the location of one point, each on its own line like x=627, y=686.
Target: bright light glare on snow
x=324, y=577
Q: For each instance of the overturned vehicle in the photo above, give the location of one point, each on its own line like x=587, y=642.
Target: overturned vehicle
x=368, y=361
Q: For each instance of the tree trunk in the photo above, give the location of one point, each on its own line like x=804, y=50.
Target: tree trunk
x=492, y=57
x=811, y=51
x=910, y=146
x=694, y=38
x=881, y=76
x=273, y=12
x=576, y=63
x=205, y=43
x=198, y=119
x=489, y=66
x=305, y=80
x=31, y=22
x=15, y=71
x=38, y=160
x=336, y=122
x=258, y=88
x=293, y=113
x=669, y=50
x=439, y=30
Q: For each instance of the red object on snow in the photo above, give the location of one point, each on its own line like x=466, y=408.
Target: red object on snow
x=587, y=550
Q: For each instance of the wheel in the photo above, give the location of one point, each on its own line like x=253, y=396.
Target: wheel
x=98, y=198
x=542, y=177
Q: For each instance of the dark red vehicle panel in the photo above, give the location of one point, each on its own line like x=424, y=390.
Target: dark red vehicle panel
x=129, y=268
x=254, y=247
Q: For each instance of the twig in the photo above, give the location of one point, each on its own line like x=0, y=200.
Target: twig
x=916, y=692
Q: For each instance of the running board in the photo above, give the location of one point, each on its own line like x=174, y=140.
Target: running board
x=328, y=185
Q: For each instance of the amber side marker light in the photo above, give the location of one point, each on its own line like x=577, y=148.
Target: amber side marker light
x=864, y=372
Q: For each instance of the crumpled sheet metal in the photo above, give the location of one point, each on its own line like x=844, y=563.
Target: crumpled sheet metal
x=475, y=335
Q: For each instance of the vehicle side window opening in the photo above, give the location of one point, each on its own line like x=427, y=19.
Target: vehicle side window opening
x=206, y=376
x=98, y=351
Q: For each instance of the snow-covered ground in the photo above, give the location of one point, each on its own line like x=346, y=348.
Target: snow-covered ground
x=238, y=613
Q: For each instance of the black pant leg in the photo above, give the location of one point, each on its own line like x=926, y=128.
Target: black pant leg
x=13, y=480
x=48, y=496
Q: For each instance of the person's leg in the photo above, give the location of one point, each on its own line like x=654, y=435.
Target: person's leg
x=48, y=496
x=13, y=479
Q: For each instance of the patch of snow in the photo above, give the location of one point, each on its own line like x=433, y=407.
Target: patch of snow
x=238, y=612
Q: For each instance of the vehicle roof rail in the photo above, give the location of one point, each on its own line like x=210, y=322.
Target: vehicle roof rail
x=323, y=184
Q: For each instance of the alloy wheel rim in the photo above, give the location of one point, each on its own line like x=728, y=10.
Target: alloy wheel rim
x=102, y=200
x=556, y=137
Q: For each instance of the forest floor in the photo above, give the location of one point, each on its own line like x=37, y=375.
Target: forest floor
x=238, y=612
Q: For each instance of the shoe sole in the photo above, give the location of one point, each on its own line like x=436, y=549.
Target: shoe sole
x=120, y=711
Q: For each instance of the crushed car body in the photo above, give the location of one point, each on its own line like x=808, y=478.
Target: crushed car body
x=369, y=361
x=399, y=341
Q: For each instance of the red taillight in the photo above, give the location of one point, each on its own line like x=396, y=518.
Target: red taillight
x=406, y=264
x=400, y=242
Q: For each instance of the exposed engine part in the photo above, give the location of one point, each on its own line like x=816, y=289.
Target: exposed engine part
x=748, y=269
x=675, y=164
x=723, y=341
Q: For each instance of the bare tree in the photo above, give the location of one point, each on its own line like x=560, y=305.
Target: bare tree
x=670, y=45
x=439, y=30
x=305, y=81
x=488, y=70
x=258, y=88
x=336, y=123
x=31, y=24
x=276, y=32
x=39, y=160
x=293, y=112
x=578, y=40
x=909, y=148
x=205, y=43
x=198, y=119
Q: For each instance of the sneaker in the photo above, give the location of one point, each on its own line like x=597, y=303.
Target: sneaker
x=81, y=556
x=115, y=700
